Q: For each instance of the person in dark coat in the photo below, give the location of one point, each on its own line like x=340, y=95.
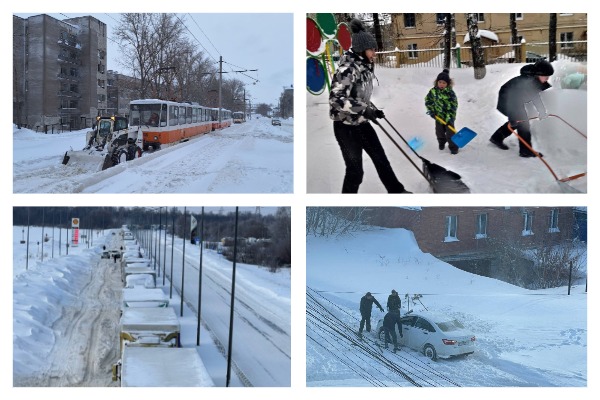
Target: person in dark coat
x=393, y=302
x=512, y=97
x=366, y=305
x=351, y=110
x=391, y=319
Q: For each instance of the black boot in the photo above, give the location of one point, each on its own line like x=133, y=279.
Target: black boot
x=498, y=143
x=527, y=154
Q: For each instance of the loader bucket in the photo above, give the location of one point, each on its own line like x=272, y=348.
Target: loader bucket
x=108, y=162
x=89, y=160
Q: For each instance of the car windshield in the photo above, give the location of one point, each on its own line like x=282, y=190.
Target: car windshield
x=449, y=326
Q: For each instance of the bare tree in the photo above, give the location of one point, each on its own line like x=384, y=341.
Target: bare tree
x=134, y=35
x=377, y=28
x=328, y=221
x=514, y=37
x=447, y=40
x=476, y=50
x=552, y=38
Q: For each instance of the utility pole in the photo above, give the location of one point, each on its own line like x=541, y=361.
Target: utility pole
x=244, y=104
x=220, y=85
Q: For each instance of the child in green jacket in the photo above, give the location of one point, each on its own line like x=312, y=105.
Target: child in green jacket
x=441, y=101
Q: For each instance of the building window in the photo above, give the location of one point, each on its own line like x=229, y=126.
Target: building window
x=101, y=68
x=481, y=228
x=565, y=38
x=554, y=221
x=101, y=83
x=440, y=18
x=409, y=21
x=451, y=228
x=412, y=54
x=480, y=17
x=519, y=16
x=527, y=223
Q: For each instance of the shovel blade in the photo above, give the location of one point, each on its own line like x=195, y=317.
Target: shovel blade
x=443, y=180
x=463, y=136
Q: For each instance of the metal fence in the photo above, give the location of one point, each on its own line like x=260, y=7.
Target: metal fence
x=497, y=54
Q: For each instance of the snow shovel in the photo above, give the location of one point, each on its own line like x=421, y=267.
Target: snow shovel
x=461, y=137
x=439, y=178
x=561, y=181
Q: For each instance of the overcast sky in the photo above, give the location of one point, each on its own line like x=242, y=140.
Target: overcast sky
x=245, y=41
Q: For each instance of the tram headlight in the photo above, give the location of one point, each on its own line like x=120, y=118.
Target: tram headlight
x=155, y=137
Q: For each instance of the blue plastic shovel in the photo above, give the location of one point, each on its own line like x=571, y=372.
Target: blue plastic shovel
x=461, y=137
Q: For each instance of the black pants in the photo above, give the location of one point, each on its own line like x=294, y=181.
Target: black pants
x=390, y=332
x=444, y=134
x=522, y=129
x=365, y=319
x=353, y=139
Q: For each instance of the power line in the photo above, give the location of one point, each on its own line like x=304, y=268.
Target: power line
x=205, y=35
x=195, y=38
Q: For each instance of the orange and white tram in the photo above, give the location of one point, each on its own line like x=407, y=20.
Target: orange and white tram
x=226, y=118
x=164, y=122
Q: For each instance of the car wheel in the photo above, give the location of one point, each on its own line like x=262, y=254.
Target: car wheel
x=430, y=352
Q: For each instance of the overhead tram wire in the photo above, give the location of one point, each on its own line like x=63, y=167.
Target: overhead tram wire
x=205, y=35
x=196, y=39
x=217, y=50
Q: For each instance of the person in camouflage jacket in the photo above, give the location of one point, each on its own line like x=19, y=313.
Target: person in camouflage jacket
x=350, y=109
x=441, y=101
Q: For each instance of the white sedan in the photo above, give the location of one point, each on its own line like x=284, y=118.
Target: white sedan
x=433, y=334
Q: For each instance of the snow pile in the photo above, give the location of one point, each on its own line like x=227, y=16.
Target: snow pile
x=54, y=284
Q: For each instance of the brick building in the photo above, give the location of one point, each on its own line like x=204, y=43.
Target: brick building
x=469, y=237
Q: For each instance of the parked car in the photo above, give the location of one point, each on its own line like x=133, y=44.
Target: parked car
x=275, y=121
x=530, y=57
x=435, y=335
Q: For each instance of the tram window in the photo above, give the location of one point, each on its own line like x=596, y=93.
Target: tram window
x=181, y=115
x=188, y=115
x=173, y=114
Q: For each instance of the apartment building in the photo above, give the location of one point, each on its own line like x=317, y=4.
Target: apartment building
x=59, y=71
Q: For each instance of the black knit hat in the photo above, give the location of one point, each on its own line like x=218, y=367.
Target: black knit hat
x=444, y=76
x=543, y=68
x=361, y=39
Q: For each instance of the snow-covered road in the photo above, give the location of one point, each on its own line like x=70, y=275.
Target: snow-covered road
x=253, y=157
